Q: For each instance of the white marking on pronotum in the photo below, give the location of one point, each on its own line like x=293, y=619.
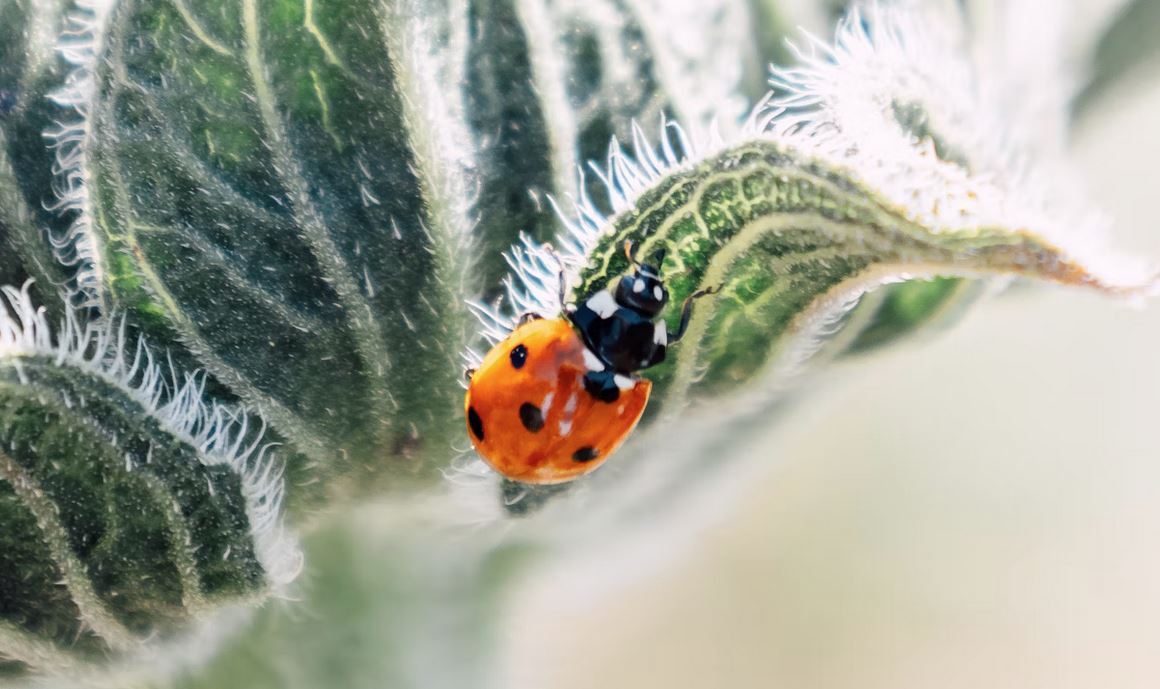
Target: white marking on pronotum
x=592, y=361
x=660, y=334
x=602, y=303
x=623, y=382
x=638, y=286
x=657, y=293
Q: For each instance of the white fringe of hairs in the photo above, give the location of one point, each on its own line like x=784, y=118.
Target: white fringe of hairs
x=81, y=43
x=837, y=106
x=221, y=435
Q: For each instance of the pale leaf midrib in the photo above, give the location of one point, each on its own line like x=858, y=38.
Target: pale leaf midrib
x=290, y=423
x=688, y=353
x=180, y=538
x=360, y=316
x=449, y=233
x=181, y=546
x=198, y=30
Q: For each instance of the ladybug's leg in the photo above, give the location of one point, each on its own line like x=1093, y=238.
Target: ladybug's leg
x=563, y=288
x=528, y=317
x=602, y=385
x=563, y=278
x=468, y=374
x=687, y=312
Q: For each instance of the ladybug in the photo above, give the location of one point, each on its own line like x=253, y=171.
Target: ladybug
x=554, y=399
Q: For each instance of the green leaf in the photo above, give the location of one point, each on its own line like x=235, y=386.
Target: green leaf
x=548, y=84
x=261, y=194
x=873, y=162
x=132, y=509
x=510, y=124
x=29, y=69
x=290, y=202
x=792, y=243
x=901, y=310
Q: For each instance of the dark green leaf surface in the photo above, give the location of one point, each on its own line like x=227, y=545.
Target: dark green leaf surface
x=510, y=127
x=260, y=201
x=29, y=70
x=121, y=527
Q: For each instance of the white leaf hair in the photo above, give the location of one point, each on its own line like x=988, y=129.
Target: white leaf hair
x=965, y=161
x=220, y=434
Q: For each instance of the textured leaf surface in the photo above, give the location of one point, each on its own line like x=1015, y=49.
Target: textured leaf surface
x=29, y=69
x=129, y=513
x=260, y=197
x=792, y=244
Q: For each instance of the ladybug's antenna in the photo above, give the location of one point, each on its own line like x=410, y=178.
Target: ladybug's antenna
x=630, y=252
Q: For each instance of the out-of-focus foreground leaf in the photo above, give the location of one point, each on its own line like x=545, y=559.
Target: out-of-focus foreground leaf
x=1128, y=48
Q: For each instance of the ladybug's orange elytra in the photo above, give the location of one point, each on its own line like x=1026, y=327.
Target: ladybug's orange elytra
x=529, y=414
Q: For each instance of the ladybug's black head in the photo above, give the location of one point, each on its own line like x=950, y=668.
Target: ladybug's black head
x=643, y=291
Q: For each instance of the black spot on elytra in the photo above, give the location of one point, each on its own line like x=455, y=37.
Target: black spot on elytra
x=519, y=356
x=531, y=417
x=475, y=422
x=585, y=454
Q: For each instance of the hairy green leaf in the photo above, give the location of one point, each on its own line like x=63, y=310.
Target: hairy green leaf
x=261, y=194
x=131, y=509
x=548, y=84
x=29, y=69
x=790, y=243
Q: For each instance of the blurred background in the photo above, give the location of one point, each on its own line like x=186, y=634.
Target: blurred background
x=979, y=509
